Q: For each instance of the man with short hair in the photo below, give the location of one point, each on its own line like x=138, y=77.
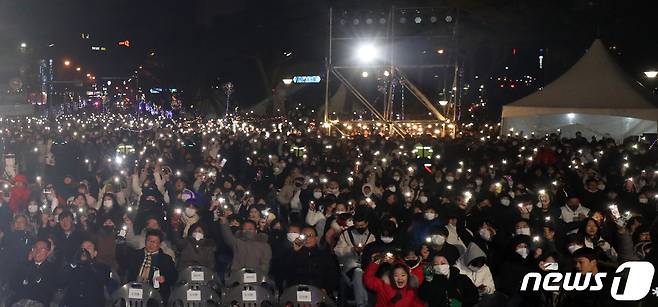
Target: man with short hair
x=87, y=279
x=67, y=239
x=250, y=248
x=349, y=249
x=15, y=246
x=35, y=280
x=136, y=241
x=151, y=265
x=309, y=265
x=573, y=213
x=586, y=260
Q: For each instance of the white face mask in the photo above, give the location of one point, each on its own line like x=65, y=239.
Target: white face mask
x=574, y=247
x=643, y=200
x=197, y=236
x=189, y=212
x=317, y=195
x=108, y=204
x=505, y=201
x=442, y=269
x=32, y=208
x=430, y=216
x=438, y=239
x=485, y=234
x=450, y=178
x=601, y=187
x=387, y=240
x=478, y=182
x=423, y=199
x=523, y=231
x=392, y=189
x=185, y=197
x=292, y=236
x=523, y=252
x=396, y=178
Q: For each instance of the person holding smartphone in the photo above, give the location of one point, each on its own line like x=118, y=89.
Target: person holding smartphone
x=310, y=265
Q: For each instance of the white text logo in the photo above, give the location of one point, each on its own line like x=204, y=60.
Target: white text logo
x=638, y=281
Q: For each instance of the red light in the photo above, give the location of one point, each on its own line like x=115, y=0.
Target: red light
x=513, y=51
x=124, y=43
x=512, y=85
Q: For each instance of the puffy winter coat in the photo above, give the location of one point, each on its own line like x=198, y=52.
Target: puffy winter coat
x=385, y=292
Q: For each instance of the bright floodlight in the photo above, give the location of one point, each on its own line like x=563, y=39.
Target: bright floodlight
x=366, y=53
x=23, y=45
x=443, y=102
x=287, y=81
x=651, y=74
x=364, y=74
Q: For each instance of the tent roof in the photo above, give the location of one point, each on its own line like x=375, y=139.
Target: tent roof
x=595, y=81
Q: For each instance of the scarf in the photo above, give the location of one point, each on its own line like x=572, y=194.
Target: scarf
x=188, y=221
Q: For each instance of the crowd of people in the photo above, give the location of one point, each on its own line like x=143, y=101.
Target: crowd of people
x=95, y=201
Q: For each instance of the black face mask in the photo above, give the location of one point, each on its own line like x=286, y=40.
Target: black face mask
x=234, y=229
x=108, y=228
x=361, y=230
x=411, y=263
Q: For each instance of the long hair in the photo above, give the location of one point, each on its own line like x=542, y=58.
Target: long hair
x=583, y=227
x=398, y=294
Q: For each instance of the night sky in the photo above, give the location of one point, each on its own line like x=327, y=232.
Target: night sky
x=201, y=43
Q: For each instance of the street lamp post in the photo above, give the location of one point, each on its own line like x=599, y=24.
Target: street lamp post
x=651, y=75
x=228, y=90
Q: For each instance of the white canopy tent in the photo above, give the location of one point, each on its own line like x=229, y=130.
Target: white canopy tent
x=595, y=96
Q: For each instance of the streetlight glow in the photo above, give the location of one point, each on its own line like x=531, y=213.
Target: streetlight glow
x=67, y=62
x=651, y=74
x=443, y=103
x=367, y=53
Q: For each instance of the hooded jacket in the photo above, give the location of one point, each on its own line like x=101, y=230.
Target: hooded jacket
x=478, y=277
x=254, y=253
x=385, y=291
x=344, y=249
x=19, y=196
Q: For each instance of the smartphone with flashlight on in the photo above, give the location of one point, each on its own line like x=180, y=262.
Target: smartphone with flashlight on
x=265, y=213
x=302, y=239
x=614, y=210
